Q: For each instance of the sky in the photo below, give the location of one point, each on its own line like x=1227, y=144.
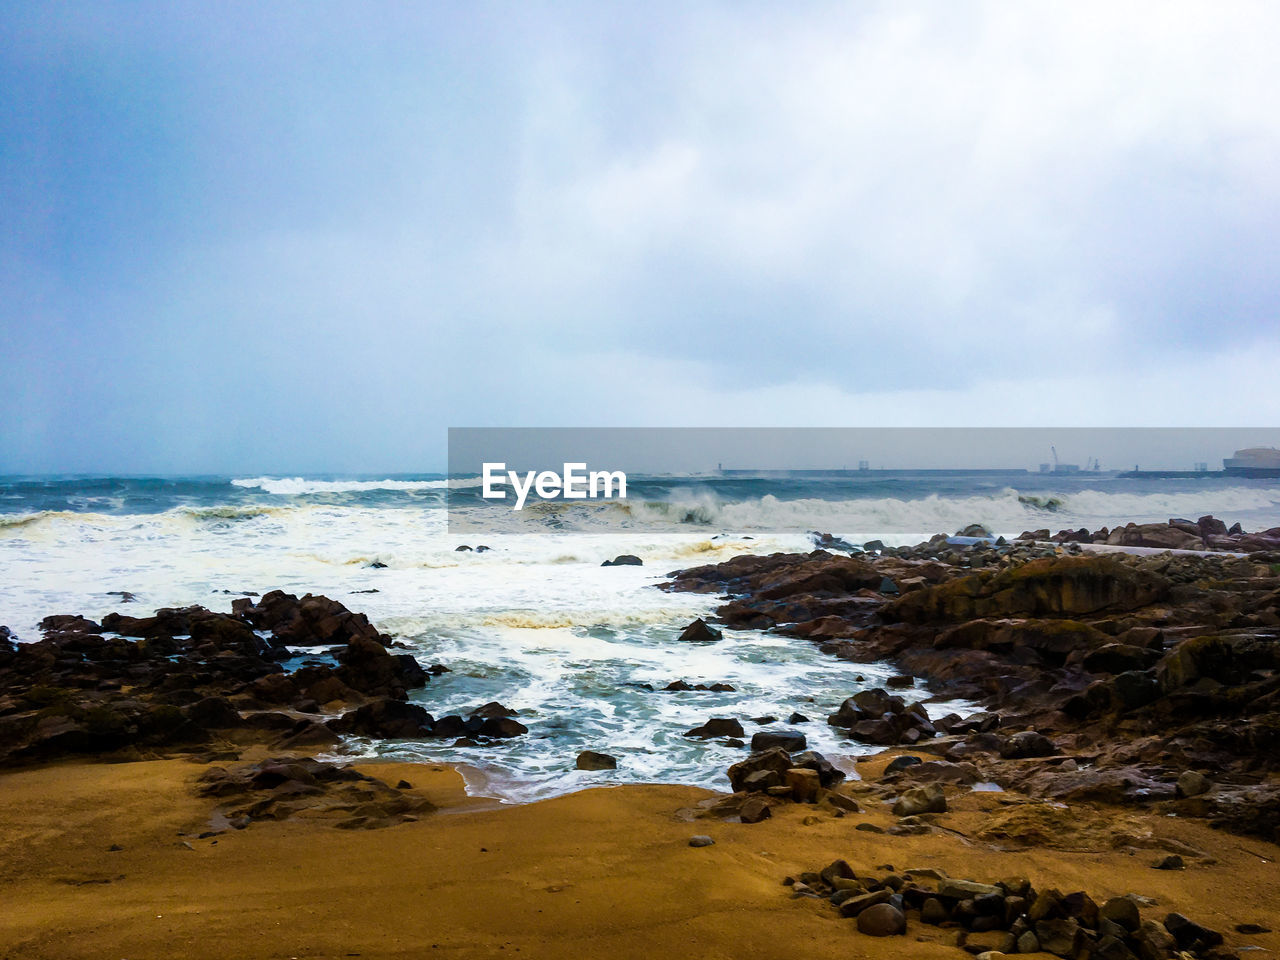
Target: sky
x=310, y=237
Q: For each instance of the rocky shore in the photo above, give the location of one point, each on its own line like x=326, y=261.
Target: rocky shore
x=1130, y=717
x=1147, y=682
x=189, y=679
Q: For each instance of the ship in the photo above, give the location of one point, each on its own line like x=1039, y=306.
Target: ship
x=1253, y=462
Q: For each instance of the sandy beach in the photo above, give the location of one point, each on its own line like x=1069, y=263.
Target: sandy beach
x=601, y=873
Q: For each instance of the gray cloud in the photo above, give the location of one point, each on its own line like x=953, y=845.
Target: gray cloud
x=290, y=237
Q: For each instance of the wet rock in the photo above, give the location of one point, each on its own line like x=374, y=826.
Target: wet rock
x=386, y=718
x=700, y=632
x=717, y=727
x=590, y=760
x=624, y=560
x=502, y=728
x=789, y=740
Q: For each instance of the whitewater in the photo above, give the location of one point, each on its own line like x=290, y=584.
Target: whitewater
x=534, y=621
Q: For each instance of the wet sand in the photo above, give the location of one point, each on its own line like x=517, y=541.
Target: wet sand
x=603, y=873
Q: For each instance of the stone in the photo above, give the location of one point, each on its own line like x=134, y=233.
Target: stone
x=1001, y=941
x=1171, y=862
x=882, y=920
x=933, y=912
x=954, y=889
x=854, y=905
x=700, y=840
x=777, y=760
x=1122, y=911
x=590, y=760
x=804, y=784
x=1060, y=936
x=718, y=727
x=1153, y=941
x=828, y=773
x=1028, y=743
x=901, y=763
x=625, y=560
x=1028, y=942
x=755, y=810
x=927, y=798
x=789, y=740
x=1192, y=784
x=843, y=803
x=1189, y=934
x=700, y=632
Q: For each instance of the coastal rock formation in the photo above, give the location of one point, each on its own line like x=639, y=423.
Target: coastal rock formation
x=1008, y=916
x=1110, y=677
x=187, y=677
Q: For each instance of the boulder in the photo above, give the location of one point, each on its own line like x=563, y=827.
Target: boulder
x=789, y=740
x=776, y=760
x=717, y=727
x=927, y=798
x=624, y=560
x=700, y=632
x=882, y=920
x=590, y=760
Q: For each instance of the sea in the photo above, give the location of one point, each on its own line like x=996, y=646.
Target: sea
x=534, y=621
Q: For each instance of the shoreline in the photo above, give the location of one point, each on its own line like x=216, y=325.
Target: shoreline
x=600, y=873
x=1067, y=780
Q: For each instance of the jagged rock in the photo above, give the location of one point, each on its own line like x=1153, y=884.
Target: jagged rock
x=700, y=632
x=776, y=760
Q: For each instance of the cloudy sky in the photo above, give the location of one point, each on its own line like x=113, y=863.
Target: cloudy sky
x=310, y=237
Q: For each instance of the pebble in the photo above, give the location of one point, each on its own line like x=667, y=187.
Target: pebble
x=701, y=840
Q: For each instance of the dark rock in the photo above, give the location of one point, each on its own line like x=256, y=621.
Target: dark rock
x=828, y=774
x=789, y=740
x=590, y=760
x=718, y=727
x=901, y=763
x=1189, y=935
x=700, y=632
x=1171, y=862
x=754, y=810
x=386, y=718
x=624, y=560
x=882, y=920
x=776, y=760
x=1029, y=743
